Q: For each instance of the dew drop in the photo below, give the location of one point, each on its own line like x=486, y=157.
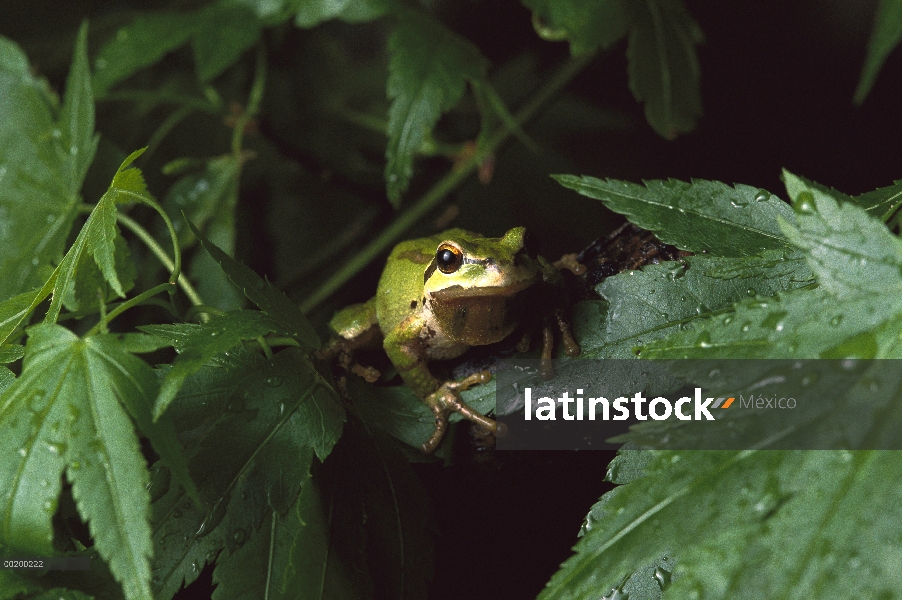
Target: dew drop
x=728, y=319
x=762, y=196
x=746, y=326
x=809, y=380
x=23, y=452
x=663, y=577
x=751, y=292
x=238, y=535
x=835, y=321
x=739, y=202
x=805, y=204
x=274, y=381
x=703, y=340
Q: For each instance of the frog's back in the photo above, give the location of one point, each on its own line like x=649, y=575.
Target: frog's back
x=400, y=291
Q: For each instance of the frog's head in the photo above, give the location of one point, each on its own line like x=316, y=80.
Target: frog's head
x=472, y=284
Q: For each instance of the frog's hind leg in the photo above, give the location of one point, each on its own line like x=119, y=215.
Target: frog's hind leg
x=446, y=399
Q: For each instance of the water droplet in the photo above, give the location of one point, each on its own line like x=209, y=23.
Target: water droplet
x=762, y=196
x=194, y=566
x=774, y=320
x=56, y=448
x=805, y=204
x=714, y=374
x=703, y=340
x=835, y=321
x=274, y=381
x=281, y=408
x=238, y=535
x=23, y=452
x=682, y=298
x=809, y=380
x=751, y=292
x=685, y=326
x=49, y=506
x=651, y=291
x=746, y=326
x=214, y=517
x=739, y=202
x=44, y=483
x=663, y=577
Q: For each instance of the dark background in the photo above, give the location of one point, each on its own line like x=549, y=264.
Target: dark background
x=777, y=82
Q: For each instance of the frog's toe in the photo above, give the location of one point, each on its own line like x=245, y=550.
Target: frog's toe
x=446, y=400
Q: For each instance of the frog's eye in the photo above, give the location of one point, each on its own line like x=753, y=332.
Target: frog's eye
x=448, y=258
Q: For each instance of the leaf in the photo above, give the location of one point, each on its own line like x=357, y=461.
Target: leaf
x=848, y=250
x=882, y=203
x=77, y=115
x=43, y=159
x=201, y=196
x=13, y=585
x=140, y=44
x=16, y=310
x=11, y=353
x=701, y=216
x=223, y=33
x=428, y=68
x=663, y=300
x=252, y=457
x=663, y=67
x=97, y=239
x=64, y=412
x=587, y=25
x=220, y=334
x=268, y=298
x=310, y=13
x=748, y=525
x=884, y=38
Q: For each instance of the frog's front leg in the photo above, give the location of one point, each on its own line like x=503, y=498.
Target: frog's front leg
x=406, y=351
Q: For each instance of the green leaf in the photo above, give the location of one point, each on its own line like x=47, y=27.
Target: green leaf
x=884, y=38
x=223, y=33
x=663, y=67
x=310, y=13
x=97, y=239
x=77, y=115
x=11, y=353
x=428, y=68
x=13, y=585
x=202, y=196
x=62, y=594
x=43, y=159
x=140, y=44
x=256, y=444
x=749, y=525
x=268, y=298
x=664, y=299
x=849, y=251
x=882, y=203
x=701, y=216
x=64, y=412
x=219, y=335
x=587, y=25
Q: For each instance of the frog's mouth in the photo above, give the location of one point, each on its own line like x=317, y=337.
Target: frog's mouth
x=483, y=315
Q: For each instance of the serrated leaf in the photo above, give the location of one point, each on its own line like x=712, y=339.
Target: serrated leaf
x=64, y=412
x=223, y=33
x=140, y=44
x=97, y=239
x=219, y=335
x=310, y=13
x=701, y=216
x=663, y=299
x=43, y=159
x=884, y=38
x=881, y=203
x=428, y=68
x=663, y=67
x=77, y=115
x=253, y=456
x=848, y=250
x=269, y=299
x=749, y=525
x=11, y=353
x=587, y=25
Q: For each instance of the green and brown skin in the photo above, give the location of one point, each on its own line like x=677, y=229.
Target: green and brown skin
x=440, y=295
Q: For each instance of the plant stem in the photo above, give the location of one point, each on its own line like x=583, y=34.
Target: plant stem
x=101, y=325
x=443, y=187
x=161, y=255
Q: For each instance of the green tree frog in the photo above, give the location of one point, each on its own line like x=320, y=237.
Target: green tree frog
x=440, y=295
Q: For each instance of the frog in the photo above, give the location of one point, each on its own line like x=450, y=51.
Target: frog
x=439, y=296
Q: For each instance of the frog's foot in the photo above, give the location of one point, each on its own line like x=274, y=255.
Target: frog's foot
x=571, y=348
x=446, y=399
